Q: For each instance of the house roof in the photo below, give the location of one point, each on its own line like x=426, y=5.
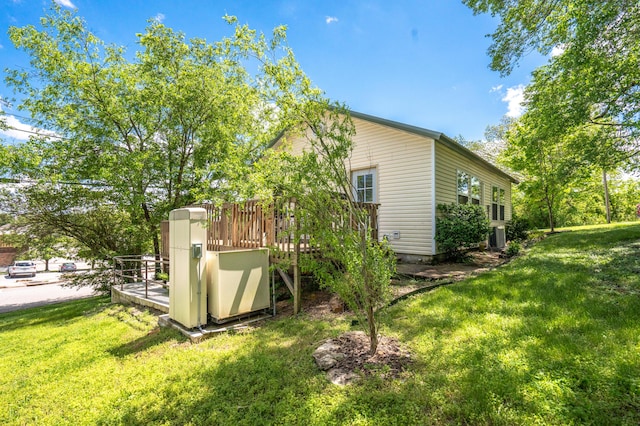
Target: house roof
x=432, y=134
x=437, y=136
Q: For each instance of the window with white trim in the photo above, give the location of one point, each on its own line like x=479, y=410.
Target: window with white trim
x=469, y=189
x=364, y=185
x=497, y=203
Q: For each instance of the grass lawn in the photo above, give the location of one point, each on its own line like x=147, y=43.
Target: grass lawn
x=553, y=337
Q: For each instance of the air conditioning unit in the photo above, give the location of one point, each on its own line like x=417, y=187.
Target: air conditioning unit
x=498, y=237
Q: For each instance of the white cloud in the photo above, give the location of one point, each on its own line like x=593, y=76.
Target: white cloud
x=66, y=3
x=159, y=17
x=557, y=51
x=330, y=19
x=496, y=88
x=514, y=99
x=19, y=130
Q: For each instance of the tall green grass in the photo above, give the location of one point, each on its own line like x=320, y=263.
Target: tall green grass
x=551, y=338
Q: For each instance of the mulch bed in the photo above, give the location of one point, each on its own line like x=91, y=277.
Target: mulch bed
x=389, y=360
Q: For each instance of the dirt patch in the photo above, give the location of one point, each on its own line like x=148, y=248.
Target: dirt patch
x=315, y=304
x=347, y=358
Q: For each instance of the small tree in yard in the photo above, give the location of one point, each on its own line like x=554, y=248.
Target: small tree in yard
x=350, y=262
x=460, y=226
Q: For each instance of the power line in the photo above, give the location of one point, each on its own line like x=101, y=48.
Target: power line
x=36, y=133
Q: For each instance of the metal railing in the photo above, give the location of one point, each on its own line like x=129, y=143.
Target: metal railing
x=145, y=270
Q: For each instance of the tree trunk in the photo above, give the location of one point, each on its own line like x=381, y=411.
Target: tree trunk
x=373, y=332
x=550, y=212
x=607, y=205
x=154, y=234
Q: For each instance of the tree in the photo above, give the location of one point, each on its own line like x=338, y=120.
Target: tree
x=545, y=161
x=596, y=77
x=554, y=154
x=350, y=261
x=135, y=138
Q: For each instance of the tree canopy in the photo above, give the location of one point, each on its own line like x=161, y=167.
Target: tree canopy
x=582, y=108
x=594, y=75
x=176, y=122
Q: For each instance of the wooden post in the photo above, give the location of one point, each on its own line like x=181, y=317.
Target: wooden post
x=297, y=302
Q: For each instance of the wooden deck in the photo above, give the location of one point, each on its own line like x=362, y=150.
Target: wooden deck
x=252, y=224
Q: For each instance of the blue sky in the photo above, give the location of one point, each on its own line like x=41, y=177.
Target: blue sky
x=422, y=63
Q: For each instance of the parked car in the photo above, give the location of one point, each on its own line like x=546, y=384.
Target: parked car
x=68, y=267
x=22, y=267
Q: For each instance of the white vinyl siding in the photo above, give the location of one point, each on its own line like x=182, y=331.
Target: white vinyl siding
x=405, y=166
x=402, y=163
x=403, y=182
x=449, y=162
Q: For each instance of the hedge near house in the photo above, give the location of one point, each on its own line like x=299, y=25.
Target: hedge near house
x=460, y=226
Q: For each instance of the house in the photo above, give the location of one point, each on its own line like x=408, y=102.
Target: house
x=408, y=171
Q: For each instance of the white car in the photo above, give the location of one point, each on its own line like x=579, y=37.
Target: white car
x=22, y=267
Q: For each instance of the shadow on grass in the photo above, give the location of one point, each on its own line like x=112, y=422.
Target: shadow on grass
x=153, y=338
x=264, y=376
x=535, y=340
x=54, y=314
x=531, y=342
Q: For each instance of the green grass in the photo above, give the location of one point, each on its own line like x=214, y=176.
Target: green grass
x=551, y=338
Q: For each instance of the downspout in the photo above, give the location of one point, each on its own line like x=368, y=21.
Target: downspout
x=199, y=294
x=433, y=198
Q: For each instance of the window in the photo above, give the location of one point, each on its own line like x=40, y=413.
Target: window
x=363, y=182
x=469, y=189
x=497, y=203
x=475, y=190
x=463, y=187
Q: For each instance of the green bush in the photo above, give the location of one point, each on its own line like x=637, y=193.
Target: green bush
x=513, y=248
x=460, y=226
x=517, y=228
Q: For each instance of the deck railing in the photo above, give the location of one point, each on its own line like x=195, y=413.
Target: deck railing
x=251, y=224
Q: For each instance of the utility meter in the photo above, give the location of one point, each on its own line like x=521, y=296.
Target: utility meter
x=196, y=250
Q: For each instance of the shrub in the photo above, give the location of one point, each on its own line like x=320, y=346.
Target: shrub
x=460, y=226
x=517, y=229
x=513, y=248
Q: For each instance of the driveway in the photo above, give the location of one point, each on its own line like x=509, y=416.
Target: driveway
x=45, y=288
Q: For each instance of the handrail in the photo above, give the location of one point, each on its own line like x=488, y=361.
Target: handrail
x=130, y=269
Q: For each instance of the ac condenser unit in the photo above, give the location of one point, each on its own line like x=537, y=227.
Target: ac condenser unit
x=498, y=237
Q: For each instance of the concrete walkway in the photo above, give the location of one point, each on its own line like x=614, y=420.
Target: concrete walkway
x=154, y=296
x=477, y=262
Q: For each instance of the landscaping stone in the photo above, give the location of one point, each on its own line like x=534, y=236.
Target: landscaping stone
x=341, y=377
x=327, y=355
